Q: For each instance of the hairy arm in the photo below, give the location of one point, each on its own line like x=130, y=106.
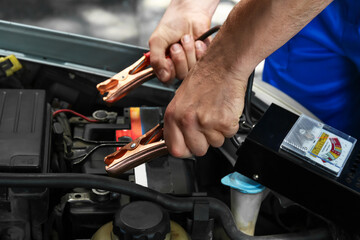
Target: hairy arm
x=210, y=100
x=256, y=28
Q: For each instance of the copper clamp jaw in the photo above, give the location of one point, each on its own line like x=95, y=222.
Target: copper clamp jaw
x=123, y=82
x=131, y=77
x=141, y=150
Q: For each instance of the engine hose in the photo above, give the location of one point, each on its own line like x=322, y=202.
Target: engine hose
x=218, y=209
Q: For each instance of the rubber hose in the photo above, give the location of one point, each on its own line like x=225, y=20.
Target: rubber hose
x=217, y=208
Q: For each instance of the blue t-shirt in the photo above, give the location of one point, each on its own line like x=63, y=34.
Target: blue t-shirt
x=320, y=66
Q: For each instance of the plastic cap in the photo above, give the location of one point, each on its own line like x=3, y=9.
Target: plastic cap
x=243, y=184
x=141, y=220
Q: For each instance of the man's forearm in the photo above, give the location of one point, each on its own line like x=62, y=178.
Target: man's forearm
x=256, y=28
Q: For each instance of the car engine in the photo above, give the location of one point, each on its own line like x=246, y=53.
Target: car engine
x=55, y=131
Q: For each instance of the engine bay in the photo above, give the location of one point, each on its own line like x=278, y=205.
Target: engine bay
x=55, y=131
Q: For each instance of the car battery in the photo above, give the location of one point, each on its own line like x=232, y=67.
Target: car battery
x=306, y=161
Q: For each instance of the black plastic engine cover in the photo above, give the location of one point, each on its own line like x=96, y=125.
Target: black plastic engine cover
x=24, y=131
x=24, y=147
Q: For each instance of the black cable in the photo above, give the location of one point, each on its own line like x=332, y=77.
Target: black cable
x=123, y=140
x=248, y=94
x=218, y=209
x=101, y=144
x=209, y=33
x=235, y=141
x=62, y=119
x=83, y=157
x=246, y=124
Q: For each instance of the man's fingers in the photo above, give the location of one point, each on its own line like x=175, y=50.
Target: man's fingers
x=207, y=41
x=194, y=139
x=157, y=57
x=230, y=129
x=200, y=49
x=188, y=44
x=196, y=142
x=174, y=138
x=220, y=121
x=180, y=62
x=183, y=56
x=214, y=138
x=171, y=66
x=175, y=142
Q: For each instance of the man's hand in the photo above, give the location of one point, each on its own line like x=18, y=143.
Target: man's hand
x=206, y=109
x=183, y=21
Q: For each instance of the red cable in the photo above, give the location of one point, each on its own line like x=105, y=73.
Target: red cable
x=75, y=113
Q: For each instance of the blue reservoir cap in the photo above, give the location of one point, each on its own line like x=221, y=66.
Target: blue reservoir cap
x=243, y=184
